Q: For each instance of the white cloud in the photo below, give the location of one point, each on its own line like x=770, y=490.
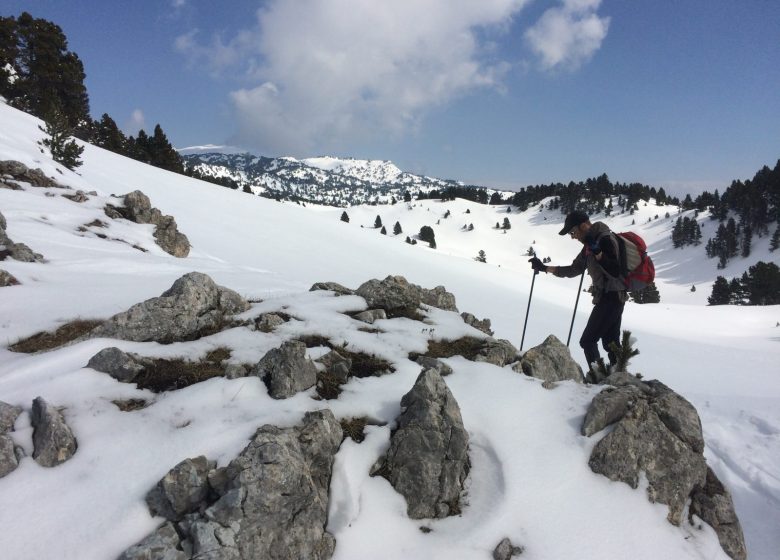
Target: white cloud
x=569, y=35
x=136, y=122
x=321, y=75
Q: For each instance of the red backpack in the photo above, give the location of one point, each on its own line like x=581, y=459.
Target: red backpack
x=637, y=268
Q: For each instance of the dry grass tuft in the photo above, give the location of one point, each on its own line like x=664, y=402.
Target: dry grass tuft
x=49, y=340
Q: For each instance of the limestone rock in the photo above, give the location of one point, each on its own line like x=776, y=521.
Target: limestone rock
x=78, y=196
x=182, y=490
x=371, y=315
x=7, y=279
x=17, y=251
x=8, y=416
x=678, y=415
x=550, y=361
x=20, y=172
x=337, y=365
x=428, y=457
x=432, y=363
x=53, y=440
x=640, y=443
x=332, y=287
x=163, y=544
x=267, y=322
x=505, y=550
x=608, y=407
x=439, y=297
x=714, y=505
x=483, y=325
x=497, y=352
x=286, y=370
x=193, y=307
x=8, y=459
x=398, y=297
x=122, y=366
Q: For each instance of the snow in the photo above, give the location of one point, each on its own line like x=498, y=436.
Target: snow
x=529, y=479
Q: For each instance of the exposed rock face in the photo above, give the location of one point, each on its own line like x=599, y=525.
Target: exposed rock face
x=78, y=196
x=122, y=366
x=714, y=505
x=17, y=251
x=483, y=325
x=139, y=209
x=286, y=370
x=269, y=502
x=432, y=363
x=398, y=297
x=182, y=490
x=20, y=172
x=428, y=457
x=608, y=407
x=550, y=361
x=267, y=322
x=53, y=440
x=332, y=287
x=497, y=352
x=7, y=279
x=8, y=451
x=193, y=307
x=337, y=365
x=371, y=315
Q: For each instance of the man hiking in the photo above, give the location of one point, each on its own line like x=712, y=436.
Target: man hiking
x=600, y=256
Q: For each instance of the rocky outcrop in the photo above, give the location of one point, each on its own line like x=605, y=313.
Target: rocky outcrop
x=332, y=287
x=483, y=325
x=122, y=366
x=194, y=306
x=286, y=370
x=7, y=279
x=54, y=442
x=78, y=196
x=269, y=502
x=505, y=550
x=497, y=352
x=428, y=457
x=337, y=366
x=550, y=361
x=138, y=208
x=267, y=322
x=713, y=504
x=399, y=298
x=17, y=171
x=17, y=251
x=371, y=315
x=657, y=435
x=9, y=453
x=432, y=363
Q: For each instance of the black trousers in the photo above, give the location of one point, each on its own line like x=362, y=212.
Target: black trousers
x=603, y=324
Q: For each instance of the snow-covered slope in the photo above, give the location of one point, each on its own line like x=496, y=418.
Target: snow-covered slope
x=529, y=480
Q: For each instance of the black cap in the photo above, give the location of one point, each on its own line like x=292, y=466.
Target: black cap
x=573, y=219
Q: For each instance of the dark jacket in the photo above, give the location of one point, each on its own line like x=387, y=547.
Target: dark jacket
x=605, y=274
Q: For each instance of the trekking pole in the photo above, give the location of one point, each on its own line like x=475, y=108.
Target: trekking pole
x=533, y=279
x=576, y=303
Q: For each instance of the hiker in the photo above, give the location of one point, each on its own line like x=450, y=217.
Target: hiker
x=600, y=256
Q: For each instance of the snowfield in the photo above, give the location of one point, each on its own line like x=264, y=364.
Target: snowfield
x=530, y=479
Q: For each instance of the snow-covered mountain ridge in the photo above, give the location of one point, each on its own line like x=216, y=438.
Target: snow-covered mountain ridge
x=322, y=180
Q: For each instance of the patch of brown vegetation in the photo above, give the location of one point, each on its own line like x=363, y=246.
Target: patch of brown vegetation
x=407, y=312
x=467, y=347
x=328, y=387
x=365, y=365
x=370, y=330
x=129, y=405
x=49, y=340
x=315, y=340
x=354, y=428
x=169, y=375
x=97, y=223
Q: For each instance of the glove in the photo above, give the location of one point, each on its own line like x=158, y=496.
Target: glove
x=594, y=248
x=537, y=265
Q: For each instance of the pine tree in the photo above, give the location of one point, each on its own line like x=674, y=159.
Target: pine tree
x=378, y=222
x=624, y=351
x=775, y=241
x=344, y=216
x=63, y=149
x=106, y=135
x=162, y=154
x=761, y=284
x=747, y=237
x=426, y=234
x=649, y=295
x=506, y=225
x=481, y=257
x=383, y=231
x=737, y=289
x=407, y=196
x=397, y=228
x=721, y=293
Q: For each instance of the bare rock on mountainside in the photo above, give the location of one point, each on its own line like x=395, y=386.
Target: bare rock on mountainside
x=9, y=459
x=399, y=298
x=8, y=416
x=332, y=287
x=122, y=366
x=428, y=458
x=7, y=279
x=17, y=251
x=286, y=370
x=53, y=440
x=550, y=361
x=194, y=306
x=270, y=502
x=498, y=352
x=505, y=550
x=658, y=435
x=483, y=325
x=138, y=208
x=13, y=171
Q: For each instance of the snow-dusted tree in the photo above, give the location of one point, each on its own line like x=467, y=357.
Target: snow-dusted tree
x=624, y=351
x=481, y=257
x=506, y=225
x=63, y=148
x=397, y=228
x=378, y=222
x=383, y=231
x=345, y=216
x=426, y=234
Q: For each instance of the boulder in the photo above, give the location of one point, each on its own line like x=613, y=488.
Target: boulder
x=497, y=352
x=432, y=363
x=641, y=443
x=286, y=370
x=505, y=550
x=122, y=366
x=20, y=172
x=439, y=297
x=8, y=416
x=483, y=325
x=677, y=414
x=371, y=315
x=428, y=457
x=8, y=459
x=270, y=502
x=53, y=441
x=332, y=287
x=713, y=504
x=163, y=544
x=78, y=196
x=550, y=361
x=194, y=306
x=182, y=490
x=608, y=407
x=138, y=208
x=7, y=279
x=398, y=297
x=267, y=322
x=17, y=251
x=337, y=365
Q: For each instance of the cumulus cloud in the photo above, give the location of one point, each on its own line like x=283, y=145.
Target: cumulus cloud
x=321, y=75
x=569, y=35
x=136, y=122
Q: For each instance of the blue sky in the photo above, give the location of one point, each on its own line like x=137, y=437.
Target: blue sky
x=682, y=94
